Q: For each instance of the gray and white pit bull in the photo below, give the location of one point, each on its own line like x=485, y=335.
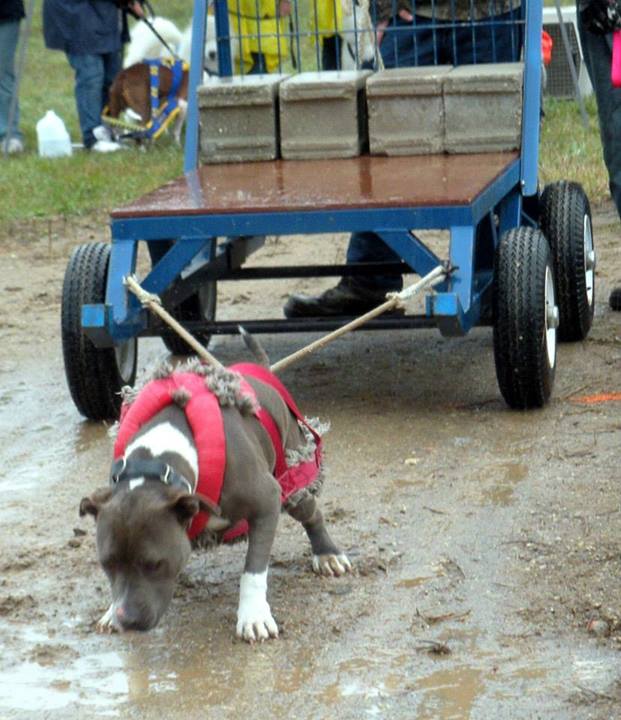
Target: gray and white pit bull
x=142, y=518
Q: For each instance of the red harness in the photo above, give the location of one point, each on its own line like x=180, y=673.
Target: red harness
x=204, y=416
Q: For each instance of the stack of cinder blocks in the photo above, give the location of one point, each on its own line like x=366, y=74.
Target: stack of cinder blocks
x=239, y=118
x=466, y=109
x=323, y=115
x=406, y=111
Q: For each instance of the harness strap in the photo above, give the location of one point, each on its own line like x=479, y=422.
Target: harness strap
x=264, y=375
x=205, y=419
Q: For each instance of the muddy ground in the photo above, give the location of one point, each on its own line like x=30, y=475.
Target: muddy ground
x=486, y=542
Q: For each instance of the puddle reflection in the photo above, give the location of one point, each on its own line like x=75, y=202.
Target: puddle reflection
x=33, y=687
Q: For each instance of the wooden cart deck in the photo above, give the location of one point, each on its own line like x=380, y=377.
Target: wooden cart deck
x=290, y=185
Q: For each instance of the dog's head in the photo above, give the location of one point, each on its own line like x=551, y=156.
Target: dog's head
x=142, y=546
x=211, y=46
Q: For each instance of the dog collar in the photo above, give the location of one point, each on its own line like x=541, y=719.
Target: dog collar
x=149, y=470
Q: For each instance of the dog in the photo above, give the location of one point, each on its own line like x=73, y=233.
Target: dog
x=359, y=47
x=210, y=55
x=131, y=91
x=144, y=43
x=156, y=502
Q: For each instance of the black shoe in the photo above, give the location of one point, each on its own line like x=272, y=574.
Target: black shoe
x=615, y=299
x=344, y=299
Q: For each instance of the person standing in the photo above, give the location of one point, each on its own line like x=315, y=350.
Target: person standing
x=596, y=21
x=415, y=33
x=91, y=33
x=11, y=14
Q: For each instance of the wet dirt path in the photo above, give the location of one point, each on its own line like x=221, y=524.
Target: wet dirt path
x=484, y=540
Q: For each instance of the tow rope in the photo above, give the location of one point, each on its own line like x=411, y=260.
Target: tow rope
x=395, y=300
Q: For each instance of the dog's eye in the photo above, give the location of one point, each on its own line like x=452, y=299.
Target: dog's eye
x=151, y=567
x=110, y=566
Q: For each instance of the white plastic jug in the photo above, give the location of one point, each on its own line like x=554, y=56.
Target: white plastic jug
x=52, y=136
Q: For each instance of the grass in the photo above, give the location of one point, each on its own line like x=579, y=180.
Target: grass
x=33, y=187
x=36, y=187
x=569, y=151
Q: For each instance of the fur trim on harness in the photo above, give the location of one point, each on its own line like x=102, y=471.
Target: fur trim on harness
x=202, y=390
x=306, y=452
x=224, y=384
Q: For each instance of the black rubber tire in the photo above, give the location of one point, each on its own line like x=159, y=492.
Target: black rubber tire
x=94, y=375
x=199, y=307
x=565, y=210
x=524, y=371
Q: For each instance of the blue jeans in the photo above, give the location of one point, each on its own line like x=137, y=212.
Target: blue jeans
x=416, y=43
x=9, y=35
x=93, y=76
x=597, y=50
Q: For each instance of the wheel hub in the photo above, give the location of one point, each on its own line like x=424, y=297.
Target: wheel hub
x=124, y=355
x=590, y=260
x=551, y=317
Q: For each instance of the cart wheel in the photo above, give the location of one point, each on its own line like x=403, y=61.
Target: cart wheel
x=199, y=307
x=566, y=222
x=95, y=375
x=525, y=318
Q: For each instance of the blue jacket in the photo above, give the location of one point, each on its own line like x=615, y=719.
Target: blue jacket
x=11, y=10
x=82, y=27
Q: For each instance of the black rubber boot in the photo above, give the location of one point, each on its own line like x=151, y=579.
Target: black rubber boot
x=615, y=299
x=347, y=298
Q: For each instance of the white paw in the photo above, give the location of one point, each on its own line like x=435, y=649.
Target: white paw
x=108, y=622
x=331, y=565
x=257, y=624
x=254, y=618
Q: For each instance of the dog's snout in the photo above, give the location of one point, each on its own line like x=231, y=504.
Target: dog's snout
x=212, y=55
x=129, y=620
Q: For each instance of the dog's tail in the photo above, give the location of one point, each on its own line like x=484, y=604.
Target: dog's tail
x=254, y=346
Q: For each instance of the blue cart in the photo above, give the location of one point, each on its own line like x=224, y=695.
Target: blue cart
x=522, y=261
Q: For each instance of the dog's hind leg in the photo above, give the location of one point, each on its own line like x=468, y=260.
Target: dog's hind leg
x=327, y=558
x=183, y=109
x=254, y=617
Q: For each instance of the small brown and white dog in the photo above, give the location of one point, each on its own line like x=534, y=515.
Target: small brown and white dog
x=131, y=90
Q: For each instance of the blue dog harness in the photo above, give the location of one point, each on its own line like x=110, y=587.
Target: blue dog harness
x=162, y=115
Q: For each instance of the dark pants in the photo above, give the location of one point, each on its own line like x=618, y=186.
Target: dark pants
x=9, y=36
x=415, y=43
x=259, y=66
x=597, y=50
x=93, y=76
x=331, y=53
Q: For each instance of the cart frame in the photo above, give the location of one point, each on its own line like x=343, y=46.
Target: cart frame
x=182, y=239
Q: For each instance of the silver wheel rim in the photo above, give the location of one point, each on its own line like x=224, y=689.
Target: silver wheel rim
x=589, y=260
x=125, y=355
x=551, y=317
x=207, y=301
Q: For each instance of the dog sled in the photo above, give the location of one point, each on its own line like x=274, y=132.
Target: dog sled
x=520, y=259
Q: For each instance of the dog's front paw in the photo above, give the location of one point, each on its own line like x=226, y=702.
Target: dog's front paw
x=254, y=618
x=108, y=622
x=331, y=565
x=256, y=623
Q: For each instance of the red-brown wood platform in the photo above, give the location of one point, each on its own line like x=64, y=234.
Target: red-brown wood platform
x=289, y=185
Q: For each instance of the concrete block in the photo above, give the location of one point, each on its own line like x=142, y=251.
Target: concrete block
x=323, y=115
x=239, y=118
x=483, y=108
x=405, y=108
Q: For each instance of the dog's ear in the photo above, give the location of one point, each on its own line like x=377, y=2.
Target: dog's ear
x=186, y=506
x=92, y=504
